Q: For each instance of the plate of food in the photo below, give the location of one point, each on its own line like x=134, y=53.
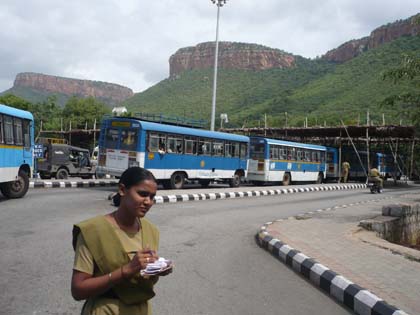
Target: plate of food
x=158, y=267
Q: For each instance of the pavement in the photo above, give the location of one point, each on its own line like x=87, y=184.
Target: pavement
x=354, y=266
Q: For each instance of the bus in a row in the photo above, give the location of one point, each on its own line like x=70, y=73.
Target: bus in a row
x=16, y=151
x=176, y=154
x=173, y=154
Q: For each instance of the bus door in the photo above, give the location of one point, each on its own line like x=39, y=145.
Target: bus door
x=26, y=139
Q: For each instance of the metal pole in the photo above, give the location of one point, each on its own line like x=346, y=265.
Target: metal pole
x=216, y=58
x=412, y=159
x=367, y=143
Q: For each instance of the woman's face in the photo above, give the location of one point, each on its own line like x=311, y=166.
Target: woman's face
x=139, y=198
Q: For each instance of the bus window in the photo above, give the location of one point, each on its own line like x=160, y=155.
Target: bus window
x=1, y=129
x=17, y=131
x=228, y=149
x=190, y=145
x=217, y=148
x=174, y=144
x=299, y=155
x=26, y=134
x=128, y=140
x=235, y=149
x=291, y=154
x=282, y=153
x=156, y=142
x=307, y=155
x=257, y=150
x=204, y=147
x=112, y=138
x=244, y=151
x=8, y=129
x=274, y=152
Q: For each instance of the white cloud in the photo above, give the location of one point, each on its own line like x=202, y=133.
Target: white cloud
x=129, y=42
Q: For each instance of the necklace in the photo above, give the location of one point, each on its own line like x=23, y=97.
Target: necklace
x=121, y=226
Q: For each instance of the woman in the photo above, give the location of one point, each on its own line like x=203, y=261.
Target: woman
x=111, y=249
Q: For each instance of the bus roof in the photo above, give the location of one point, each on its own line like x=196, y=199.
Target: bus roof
x=292, y=144
x=15, y=112
x=151, y=126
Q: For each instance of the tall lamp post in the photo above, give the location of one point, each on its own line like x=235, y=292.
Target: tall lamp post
x=219, y=3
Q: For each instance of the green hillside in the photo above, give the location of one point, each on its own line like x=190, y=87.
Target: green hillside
x=314, y=89
x=35, y=96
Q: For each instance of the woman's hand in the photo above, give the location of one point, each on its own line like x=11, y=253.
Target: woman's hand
x=140, y=260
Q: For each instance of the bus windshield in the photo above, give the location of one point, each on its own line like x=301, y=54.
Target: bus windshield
x=257, y=151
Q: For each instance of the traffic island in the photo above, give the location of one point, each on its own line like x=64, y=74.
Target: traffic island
x=72, y=184
x=324, y=246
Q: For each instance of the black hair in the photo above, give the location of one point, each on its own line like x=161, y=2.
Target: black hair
x=130, y=177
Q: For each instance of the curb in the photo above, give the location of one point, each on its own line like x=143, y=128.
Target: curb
x=72, y=184
x=253, y=193
x=358, y=299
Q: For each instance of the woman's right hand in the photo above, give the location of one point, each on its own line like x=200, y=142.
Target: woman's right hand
x=139, y=262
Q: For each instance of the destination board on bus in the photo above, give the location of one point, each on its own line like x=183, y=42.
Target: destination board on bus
x=117, y=159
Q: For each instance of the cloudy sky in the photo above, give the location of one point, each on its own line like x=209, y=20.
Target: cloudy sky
x=129, y=41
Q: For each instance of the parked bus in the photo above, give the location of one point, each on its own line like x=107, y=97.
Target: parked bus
x=383, y=162
x=16, y=151
x=283, y=161
x=173, y=154
x=332, y=164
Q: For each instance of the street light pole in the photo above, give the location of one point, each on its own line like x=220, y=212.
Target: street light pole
x=219, y=4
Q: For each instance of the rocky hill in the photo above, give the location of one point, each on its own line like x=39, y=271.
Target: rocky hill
x=231, y=56
x=378, y=37
x=37, y=85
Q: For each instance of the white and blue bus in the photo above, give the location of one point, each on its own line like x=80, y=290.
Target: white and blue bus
x=16, y=151
x=273, y=161
x=173, y=154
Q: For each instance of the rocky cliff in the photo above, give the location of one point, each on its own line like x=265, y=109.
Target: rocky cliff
x=231, y=56
x=379, y=36
x=108, y=92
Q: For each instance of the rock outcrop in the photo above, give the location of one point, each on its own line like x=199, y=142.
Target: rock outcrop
x=108, y=92
x=231, y=56
x=379, y=36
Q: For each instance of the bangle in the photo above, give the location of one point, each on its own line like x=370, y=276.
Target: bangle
x=110, y=278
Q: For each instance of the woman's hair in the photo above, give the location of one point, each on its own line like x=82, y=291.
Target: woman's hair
x=130, y=177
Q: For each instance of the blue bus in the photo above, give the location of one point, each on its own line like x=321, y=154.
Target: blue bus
x=16, y=151
x=173, y=154
x=383, y=162
x=283, y=161
x=332, y=164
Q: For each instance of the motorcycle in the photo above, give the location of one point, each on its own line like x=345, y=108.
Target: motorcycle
x=374, y=187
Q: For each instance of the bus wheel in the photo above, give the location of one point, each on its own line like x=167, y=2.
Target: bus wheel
x=287, y=179
x=204, y=183
x=320, y=178
x=17, y=188
x=177, y=180
x=62, y=174
x=235, y=181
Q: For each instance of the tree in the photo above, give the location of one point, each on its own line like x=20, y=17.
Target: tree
x=16, y=102
x=84, y=110
x=409, y=70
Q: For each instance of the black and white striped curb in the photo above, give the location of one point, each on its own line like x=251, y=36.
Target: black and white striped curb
x=358, y=299
x=72, y=184
x=252, y=193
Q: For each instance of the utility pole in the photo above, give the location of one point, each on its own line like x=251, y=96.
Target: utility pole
x=219, y=4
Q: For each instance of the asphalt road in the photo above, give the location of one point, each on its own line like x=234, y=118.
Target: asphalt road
x=219, y=269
